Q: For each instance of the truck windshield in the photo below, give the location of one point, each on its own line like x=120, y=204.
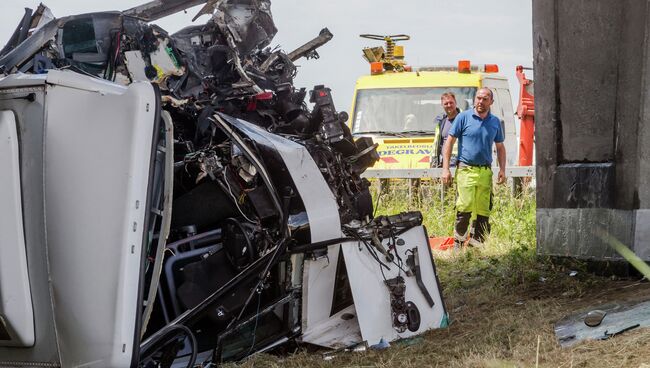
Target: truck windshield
x=394, y=111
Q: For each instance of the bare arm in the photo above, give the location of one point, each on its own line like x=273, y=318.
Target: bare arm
x=501, y=156
x=446, y=151
x=446, y=157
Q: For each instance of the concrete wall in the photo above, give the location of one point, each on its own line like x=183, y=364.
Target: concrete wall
x=592, y=125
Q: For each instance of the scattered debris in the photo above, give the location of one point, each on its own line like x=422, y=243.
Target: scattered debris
x=356, y=348
x=598, y=324
x=573, y=273
x=607, y=334
x=381, y=345
x=441, y=243
x=411, y=341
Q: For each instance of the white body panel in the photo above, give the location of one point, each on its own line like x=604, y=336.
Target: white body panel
x=372, y=298
x=319, y=201
x=319, y=278
x=336, y=331
x=16, y=312
x=97, y=160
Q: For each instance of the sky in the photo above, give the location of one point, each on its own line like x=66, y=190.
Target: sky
x=442, y=32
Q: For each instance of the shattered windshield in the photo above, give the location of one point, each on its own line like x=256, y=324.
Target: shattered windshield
x=398, y=110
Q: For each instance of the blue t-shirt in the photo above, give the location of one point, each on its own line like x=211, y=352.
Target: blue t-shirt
x=475, y=137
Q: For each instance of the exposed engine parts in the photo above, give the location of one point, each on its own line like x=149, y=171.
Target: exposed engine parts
x=397, y=288
x=260, y=229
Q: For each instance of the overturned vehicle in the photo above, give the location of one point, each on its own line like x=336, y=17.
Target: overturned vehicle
x=171, y=200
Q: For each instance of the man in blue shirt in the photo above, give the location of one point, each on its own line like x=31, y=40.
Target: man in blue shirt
x=475, y=131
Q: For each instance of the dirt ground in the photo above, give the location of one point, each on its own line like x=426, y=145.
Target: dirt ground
x=502, y=320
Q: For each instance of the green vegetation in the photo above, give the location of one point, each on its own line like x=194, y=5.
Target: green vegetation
x=513, y=220
x=502, y=298
x=508, y=257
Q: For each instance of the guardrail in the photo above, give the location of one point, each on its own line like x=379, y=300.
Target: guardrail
x=511, y=172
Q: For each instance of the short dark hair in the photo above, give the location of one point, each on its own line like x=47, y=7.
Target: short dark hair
x=448, y=94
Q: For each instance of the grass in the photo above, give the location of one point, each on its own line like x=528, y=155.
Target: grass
x=508, y=257
x=503, y=300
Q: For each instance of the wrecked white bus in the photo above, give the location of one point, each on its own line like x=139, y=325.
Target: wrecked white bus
x=170, y=201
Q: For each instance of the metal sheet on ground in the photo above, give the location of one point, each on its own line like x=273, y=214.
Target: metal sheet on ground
x=620, y=317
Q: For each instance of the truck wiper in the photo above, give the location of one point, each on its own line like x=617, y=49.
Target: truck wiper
x=419, y=132
x=383, y=132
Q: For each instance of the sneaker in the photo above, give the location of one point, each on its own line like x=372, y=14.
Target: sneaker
x=474, y=243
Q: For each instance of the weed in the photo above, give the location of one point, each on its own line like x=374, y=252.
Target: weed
x=508, y=257
x=502, y=298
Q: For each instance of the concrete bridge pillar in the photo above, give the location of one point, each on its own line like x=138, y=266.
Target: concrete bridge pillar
x=592, y=116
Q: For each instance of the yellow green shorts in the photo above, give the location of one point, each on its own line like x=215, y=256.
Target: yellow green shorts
x=474, y=190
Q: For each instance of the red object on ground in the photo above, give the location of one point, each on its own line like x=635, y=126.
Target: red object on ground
x=441, y=243
x=526, y=113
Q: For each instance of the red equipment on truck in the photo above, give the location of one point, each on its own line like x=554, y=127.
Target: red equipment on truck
x=526, y=113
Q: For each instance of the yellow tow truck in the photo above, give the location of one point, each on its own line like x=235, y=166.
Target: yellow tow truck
x=397, y=105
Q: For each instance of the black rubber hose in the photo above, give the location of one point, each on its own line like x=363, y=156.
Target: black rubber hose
x=193, y=343
x=187, y=332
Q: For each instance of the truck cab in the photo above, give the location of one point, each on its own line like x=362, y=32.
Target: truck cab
x=397, y=106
